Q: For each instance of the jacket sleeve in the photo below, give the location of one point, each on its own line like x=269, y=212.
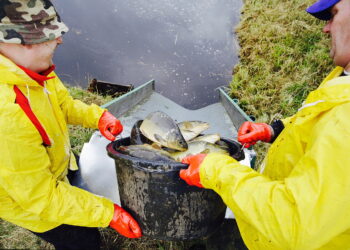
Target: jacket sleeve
x=300, y=211
x=75, y=111
x=25, y=175
x=286, y=120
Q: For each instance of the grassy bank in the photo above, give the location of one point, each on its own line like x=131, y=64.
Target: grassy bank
x=283, y=56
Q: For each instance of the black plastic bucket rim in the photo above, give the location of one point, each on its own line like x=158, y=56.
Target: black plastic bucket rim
x=115, y=154
x=173, y=165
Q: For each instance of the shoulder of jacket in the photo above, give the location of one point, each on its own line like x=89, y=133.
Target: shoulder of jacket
x=344, y=81
x=7, y=94
x=55, y=82
x=337, y=71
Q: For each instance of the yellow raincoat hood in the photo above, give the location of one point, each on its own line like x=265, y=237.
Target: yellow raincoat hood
x=34, y=190
x=301, y=199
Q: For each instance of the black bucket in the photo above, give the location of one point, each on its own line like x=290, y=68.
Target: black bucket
x=165, y=207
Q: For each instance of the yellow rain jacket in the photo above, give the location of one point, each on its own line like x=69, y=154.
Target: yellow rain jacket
x=34, y=190
x=302, y=198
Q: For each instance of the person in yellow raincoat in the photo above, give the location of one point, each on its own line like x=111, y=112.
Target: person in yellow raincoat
x=35, y=109
x=299, y=198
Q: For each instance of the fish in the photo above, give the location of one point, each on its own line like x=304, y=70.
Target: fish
x=191, y=129
x=146, y=152
x=211, y=138
x=136, y=136
x=162, y=129
x=199, y=147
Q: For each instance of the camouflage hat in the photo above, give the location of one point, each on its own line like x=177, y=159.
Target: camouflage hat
x=29, y=22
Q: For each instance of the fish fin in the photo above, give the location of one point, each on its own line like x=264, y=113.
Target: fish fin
x=156, y=145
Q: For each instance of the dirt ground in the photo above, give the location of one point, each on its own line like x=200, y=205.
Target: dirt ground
x=227, y=237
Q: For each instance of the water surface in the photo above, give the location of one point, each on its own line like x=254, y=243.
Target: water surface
x=188, y=47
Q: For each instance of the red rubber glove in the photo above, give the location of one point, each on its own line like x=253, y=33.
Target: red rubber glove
x=249, y=133
x=109, y=126
x=191, y=174
x=124, y=224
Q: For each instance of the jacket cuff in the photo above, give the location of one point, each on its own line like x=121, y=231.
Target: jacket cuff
x=101, y=111
x=277, y=127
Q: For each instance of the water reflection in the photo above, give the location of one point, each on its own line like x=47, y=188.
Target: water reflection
x=188, y=47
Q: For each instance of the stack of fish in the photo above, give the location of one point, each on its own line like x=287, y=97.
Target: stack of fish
x=159, y=138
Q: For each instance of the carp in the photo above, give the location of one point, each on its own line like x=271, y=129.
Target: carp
x=136, y=136
x=200, y=147
x=191, y=129
x=162, y=129
x=146, y=152
x=211, y=138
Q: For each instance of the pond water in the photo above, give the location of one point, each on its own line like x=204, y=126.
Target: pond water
x=188, y=47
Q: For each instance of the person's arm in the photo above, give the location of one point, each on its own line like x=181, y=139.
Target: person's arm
x=286, y=120
x=91, y=116
x=75, y=111
x=303, y=211
x=25, y=175
x=31, y=182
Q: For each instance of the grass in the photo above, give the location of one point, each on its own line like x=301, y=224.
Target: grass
x=13, y=237
x=283, y=57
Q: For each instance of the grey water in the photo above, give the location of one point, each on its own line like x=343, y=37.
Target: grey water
x=188, y=46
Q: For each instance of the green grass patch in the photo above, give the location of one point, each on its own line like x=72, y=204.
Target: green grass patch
x=283, y=56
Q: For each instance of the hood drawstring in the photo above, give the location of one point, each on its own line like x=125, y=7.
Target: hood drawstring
x=46, y=90
x=28, y=94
